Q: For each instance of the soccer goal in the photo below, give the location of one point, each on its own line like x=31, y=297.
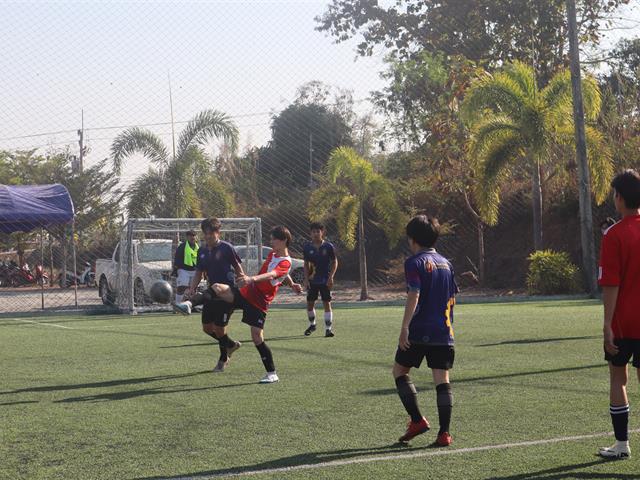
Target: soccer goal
x=146, y=250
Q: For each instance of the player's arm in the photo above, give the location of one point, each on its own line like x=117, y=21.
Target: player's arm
x=409, y=309
x=288, y=281
x=176, y=261
x=237, y=264
x=609, y=298
x=332, y=271
x=307, y=273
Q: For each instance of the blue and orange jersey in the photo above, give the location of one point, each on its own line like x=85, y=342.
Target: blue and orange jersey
x=430, y=274
x=321, y=258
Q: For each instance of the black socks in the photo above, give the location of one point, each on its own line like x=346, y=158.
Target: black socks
x=266, y=356
x=408, y=397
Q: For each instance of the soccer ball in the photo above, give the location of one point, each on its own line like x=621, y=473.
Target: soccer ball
x=161, y=291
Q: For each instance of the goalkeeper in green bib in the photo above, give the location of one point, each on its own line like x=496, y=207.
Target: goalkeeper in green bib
x=184, y=264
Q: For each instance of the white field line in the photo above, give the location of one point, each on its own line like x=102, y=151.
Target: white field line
x=43, y=324
x=404, y=456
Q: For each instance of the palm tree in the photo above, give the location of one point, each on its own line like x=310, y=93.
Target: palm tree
x=168, y=188
x=514, y=123
x=349, y=184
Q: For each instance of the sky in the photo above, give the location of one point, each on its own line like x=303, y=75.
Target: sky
x=112, y=61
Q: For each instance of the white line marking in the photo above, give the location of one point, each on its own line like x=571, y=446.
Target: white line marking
x=404, y=456
x=42, y=323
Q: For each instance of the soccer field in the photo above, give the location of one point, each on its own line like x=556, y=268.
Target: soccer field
x=116, y=397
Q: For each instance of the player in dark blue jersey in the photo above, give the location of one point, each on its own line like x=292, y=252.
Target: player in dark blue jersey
x=427, y=327
x=320, y=265
x=221, y=264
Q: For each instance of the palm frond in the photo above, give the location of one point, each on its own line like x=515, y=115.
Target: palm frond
x=347, y=220
x=601, y=165
x=498, y=94
x=487, y=130
x=205, y=126
x=558, y=97
x=493, y=169
x=524, y=76
x=146, y=196
x=385, y=202
x=137, y=140
x=324, y=201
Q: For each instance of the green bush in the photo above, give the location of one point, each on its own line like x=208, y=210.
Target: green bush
x=552, y=273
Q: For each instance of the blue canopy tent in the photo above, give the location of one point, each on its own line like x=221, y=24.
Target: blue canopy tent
x=24, y=208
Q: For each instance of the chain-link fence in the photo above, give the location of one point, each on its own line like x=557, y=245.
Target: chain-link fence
x=160, y=110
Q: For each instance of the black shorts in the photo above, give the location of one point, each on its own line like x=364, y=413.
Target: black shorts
x=314, y=289
x=217, y=312
x=438, y=356
x=251, y=315
x=628, y=348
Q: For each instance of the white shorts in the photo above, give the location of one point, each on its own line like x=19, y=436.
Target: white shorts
x=185, y=277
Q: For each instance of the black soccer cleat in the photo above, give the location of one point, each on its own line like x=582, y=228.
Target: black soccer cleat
x=329, y=333
x=310, y=330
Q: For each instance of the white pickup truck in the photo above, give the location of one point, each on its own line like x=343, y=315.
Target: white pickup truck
x=152, y=261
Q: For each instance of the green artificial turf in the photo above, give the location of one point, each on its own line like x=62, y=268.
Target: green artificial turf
x=119, y=397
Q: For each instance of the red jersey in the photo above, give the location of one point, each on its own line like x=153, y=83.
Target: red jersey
x=261, y=294
x=620, y=266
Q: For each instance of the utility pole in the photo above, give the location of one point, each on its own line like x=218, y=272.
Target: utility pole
x=584, y=181
x=173, y=128
x=310, y=159
x=81, y=141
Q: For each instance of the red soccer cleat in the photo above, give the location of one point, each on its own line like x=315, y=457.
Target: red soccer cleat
x=444, y=439
x=414, y=429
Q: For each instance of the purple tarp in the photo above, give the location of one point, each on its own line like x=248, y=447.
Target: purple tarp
x=26, y=207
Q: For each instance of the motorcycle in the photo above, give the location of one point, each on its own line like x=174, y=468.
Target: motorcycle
x=11, y=275
x=86, y=277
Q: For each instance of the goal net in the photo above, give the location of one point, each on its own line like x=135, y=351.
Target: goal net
x=147, y=248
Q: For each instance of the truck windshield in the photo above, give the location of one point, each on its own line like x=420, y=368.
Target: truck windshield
x=154, y=252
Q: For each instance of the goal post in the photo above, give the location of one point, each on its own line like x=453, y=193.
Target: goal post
x=147, y=248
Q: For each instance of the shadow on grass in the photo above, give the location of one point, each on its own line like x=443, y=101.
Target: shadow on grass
x=539, y=340
x=454, y=381
x=294, y=462
x=105, y=397
x=105, y=384
x=247, y=341
x=568, y=472
x=6, y=404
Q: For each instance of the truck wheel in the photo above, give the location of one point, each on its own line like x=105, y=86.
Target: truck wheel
x=103, y=291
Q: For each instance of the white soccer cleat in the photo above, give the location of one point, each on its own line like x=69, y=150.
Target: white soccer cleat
x=618, y=450
x=270, y=377
x=183, y=307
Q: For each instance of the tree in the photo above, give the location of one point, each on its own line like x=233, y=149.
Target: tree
x=486, y=31
x=168, y=188
x=516, y=124
x=349, y=185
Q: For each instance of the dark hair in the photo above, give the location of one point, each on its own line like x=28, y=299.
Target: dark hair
x=627, y=185
x=191, y=233
x=423, y=230
x=281, y=233
x=316, y=226
x=211, y=224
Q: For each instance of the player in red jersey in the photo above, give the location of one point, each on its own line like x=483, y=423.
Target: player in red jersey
x=619, y=276
x=255, y=293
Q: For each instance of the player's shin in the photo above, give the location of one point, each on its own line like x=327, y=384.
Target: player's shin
x=444, y=399
x=409, y=397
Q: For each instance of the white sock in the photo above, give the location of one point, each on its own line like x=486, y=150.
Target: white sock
x=622, y=444
x=179, y=297
x=312, y=316
x=328, y=320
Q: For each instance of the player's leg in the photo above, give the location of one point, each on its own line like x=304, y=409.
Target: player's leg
x=328, y=312
x=223, y=292
x=440, y=360
x=265, y=355
x=312, y=296
x=405, y=360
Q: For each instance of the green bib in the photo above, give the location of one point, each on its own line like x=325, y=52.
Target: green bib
x=190, y=255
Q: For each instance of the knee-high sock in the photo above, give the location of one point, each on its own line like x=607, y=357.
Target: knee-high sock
x=266, y=356
x=620, y=421
x=328, y=320
x=223, y=349
x=409, y=397
x=444, y=399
